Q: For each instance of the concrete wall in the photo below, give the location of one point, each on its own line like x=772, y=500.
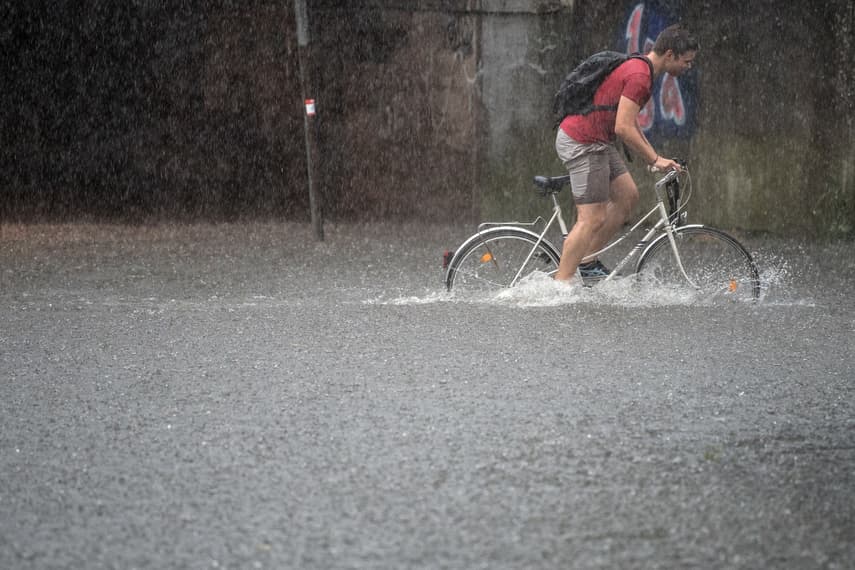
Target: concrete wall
x=772, y=148
x=447, y=118
x=775, y=148
x=431, y=109
x=520, y=66
x=399, y=111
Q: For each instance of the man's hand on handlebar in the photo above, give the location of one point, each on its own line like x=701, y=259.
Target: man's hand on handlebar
x=663, y=164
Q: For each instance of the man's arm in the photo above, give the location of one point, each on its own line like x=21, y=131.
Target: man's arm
x=626, y=127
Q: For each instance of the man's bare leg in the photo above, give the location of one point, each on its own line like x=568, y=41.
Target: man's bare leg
x=589, y=222
x=623, y=195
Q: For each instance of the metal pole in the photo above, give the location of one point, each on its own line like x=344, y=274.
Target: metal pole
x=309, y=116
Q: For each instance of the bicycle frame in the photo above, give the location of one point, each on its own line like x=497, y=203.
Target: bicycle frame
x=647, y=241
x=663, y=222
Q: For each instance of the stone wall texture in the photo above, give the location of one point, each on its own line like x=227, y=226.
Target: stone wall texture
x=437, y=110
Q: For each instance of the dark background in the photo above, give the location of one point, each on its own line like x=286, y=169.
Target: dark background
x=143, y=111
x=132, y=110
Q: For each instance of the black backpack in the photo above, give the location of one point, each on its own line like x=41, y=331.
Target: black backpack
x=576, y=94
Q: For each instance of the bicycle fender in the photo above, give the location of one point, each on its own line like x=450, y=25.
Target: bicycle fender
x=479, y=236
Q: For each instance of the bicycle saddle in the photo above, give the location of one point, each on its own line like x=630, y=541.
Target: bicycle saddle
x=551, y=184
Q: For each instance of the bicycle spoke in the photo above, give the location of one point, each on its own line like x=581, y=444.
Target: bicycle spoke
x=496, y=257
x=717, y=266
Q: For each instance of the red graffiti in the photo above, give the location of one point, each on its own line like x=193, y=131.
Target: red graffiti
x=633, y=29
x=647, y=116
x=671, y=104
x=671, y=100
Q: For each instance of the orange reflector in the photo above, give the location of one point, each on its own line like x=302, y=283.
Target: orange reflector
x=487, y=257
x=733, y=285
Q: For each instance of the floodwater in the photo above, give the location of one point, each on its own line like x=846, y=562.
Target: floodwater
x=240, y=396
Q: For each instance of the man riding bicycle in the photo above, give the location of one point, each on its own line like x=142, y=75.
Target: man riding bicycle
x=603, y=189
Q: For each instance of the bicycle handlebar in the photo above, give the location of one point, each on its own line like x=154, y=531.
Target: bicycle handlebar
x=667, y=178
x=671, y=175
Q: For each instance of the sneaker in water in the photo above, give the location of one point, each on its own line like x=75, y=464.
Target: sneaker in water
x=593, y=271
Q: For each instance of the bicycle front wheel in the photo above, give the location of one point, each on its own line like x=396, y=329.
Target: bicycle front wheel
x=718, y=267
x=499, y=258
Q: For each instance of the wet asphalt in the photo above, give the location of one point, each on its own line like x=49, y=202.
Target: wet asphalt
x=241, y=396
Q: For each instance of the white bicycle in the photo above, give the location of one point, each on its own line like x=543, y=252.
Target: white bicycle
x=671, y=254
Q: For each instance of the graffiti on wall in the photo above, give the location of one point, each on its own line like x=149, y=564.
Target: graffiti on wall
x=670, y=112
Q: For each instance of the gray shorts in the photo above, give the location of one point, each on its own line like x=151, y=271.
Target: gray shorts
x=592, y=167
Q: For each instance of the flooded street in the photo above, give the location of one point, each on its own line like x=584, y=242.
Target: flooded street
x=240, y=396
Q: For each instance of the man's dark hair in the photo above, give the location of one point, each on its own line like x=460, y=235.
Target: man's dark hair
x=676, y=38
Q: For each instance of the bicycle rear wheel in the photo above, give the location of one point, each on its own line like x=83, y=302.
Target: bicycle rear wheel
x=716, y=263
x=498, y=258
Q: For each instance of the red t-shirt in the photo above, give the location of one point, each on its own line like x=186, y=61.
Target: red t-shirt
x=631, y=79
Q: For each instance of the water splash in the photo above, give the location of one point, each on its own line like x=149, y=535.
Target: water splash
x=541, y=290
x=782, y=282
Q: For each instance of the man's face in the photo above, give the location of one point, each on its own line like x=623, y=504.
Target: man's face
x=677, y=65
